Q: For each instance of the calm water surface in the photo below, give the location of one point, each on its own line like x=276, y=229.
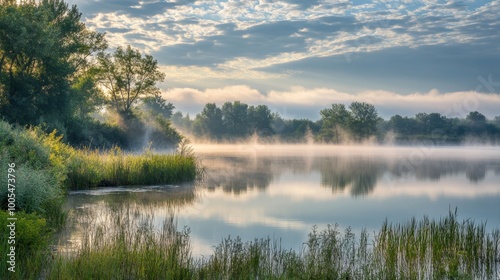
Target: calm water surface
x=283, y=191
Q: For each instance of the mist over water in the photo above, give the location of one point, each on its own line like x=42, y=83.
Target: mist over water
x=257, y=190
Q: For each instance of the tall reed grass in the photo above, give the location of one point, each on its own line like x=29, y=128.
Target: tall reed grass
x=418, y=249
x=115, y=167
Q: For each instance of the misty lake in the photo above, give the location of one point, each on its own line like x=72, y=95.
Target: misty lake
x=276, y=191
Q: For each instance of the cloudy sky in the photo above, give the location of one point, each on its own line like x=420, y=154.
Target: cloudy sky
x=299, y=56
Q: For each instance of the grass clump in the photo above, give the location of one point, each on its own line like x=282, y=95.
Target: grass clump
x=115, y=167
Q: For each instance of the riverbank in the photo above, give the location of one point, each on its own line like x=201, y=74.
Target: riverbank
x=37, y=169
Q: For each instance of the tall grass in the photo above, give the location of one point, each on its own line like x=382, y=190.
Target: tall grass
x=124, y=243
x=418, y=249
x=113, y=168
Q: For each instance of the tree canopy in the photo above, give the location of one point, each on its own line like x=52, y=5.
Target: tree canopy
x=127, y=76
x=44, y=51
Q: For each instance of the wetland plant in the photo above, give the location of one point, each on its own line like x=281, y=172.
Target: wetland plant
x=418, y=249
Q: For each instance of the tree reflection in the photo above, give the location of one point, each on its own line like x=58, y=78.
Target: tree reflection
x=238, y=174
x=358, y=175
x=476, y=172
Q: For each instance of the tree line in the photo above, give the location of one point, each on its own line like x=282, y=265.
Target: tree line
x=357, y=122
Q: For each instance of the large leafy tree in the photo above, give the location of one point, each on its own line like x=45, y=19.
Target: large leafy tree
x=44, y=51
x=127, y=76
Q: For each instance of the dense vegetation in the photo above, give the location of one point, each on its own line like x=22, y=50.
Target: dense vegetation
x=338, y=124
x=418, y=249
x=45, y=168
x=57, y=74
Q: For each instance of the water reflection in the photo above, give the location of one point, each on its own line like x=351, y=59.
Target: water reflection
x=358, y=175
x=283, y=193
x=102, y=208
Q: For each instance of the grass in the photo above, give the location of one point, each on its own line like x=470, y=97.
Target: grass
x=45, y=168
x=114, y=168
x=126, y=248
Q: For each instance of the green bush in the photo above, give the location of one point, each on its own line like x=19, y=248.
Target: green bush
x=32, y=237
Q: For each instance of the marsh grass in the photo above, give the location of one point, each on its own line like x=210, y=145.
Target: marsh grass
x=418, y=249
x=125, y=243
x=92, y=168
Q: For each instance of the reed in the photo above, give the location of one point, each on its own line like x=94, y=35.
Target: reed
x=417, y=249
x=91, y=168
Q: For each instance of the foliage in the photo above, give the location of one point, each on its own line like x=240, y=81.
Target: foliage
x=127, y=76
x=158, y=106
x=340, y=125
x=43, y=50
x=32, y=238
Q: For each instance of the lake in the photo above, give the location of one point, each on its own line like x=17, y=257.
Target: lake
x=282, y=191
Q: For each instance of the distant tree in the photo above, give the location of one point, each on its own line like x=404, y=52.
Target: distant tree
x=235, y=119
x=476, y=117
x=209, y=122
x=363, y=120
x=159, y=106
x=127, y=76
x=334, y=121
x=475, y=125
x=260, y=120
x=403, y=126
x=183, y=122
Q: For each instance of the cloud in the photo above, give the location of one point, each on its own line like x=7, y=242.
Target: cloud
x=400, y=46
x=306, y=103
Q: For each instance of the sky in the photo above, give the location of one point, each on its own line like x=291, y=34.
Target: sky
x=300, y=56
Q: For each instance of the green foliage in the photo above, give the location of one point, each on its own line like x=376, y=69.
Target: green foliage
x=134, y=251
x=43, y=47
x=92, y=169
x=235, y=119
x=158, y=106
x=363, y=120
x=127, y=76
x=334, y=122
x=356, y=124
x=32, y=238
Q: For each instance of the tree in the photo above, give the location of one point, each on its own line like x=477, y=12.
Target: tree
x=476, y=125
x=235, y=119
x=44, y=51
x=159, y=106
x=127, y=76
x=363, y=120
x=476, y=117
x=209, y=121
x=333, y=121
x=260, y=119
